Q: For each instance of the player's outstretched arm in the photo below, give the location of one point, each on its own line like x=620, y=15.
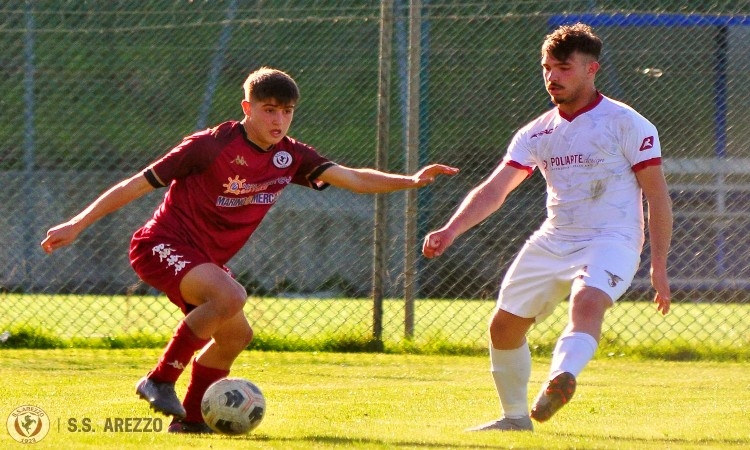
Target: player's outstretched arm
x=371, y=181
x=111, y=200
x=478, y=204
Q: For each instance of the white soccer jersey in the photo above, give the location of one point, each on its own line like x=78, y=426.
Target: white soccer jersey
x=589, y=161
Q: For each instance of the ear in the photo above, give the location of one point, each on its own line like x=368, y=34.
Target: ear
x=593, y=67
x=245, y=107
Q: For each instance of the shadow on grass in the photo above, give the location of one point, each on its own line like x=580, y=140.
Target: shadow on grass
x=344, y=442
x=666, y=442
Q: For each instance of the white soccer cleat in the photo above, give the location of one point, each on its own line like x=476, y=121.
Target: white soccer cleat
x=506, y=424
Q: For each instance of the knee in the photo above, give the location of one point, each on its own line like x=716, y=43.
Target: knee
x=590, y=305
x=587, y=313
x=230, y=305
x=246, y=337
x=504, y=335
x=242, y=338
x=499, y=337
x=236, y=339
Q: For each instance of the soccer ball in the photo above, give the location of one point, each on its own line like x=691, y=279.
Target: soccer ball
x=233, y=406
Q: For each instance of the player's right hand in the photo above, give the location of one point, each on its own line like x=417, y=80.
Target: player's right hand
x=59, y=236
x=436, y=242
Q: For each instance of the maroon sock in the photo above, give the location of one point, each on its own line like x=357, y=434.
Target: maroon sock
x=177, y=354
x=201, y=378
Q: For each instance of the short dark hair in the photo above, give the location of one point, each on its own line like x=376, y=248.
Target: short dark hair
x=565, y=40
x=267, y=83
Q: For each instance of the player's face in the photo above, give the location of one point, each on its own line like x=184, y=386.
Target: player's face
x=267, y=121
x=570, y=83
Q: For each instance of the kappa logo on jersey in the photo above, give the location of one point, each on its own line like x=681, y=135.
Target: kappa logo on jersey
x=166, y=253
x=613, y=279
x=647, y=144
x=239, y=160
x=282, y=160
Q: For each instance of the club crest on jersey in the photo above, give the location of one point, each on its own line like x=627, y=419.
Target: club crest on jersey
x=647, y=143
x=282, y=159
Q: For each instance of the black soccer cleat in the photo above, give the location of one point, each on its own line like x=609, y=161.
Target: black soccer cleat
x=161, y=396
x=180, y=426
x=553, y=396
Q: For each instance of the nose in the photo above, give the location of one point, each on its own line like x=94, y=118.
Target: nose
x=278, y=117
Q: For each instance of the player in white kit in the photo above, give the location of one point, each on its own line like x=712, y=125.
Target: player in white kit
x=599, y=158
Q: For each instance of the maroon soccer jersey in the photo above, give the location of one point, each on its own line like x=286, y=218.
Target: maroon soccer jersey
x=221, y=186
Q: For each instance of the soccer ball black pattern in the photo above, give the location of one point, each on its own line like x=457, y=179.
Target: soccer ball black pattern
x=233, y=406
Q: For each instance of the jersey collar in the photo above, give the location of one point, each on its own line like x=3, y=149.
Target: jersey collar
x=253, y=144
x=585, y=109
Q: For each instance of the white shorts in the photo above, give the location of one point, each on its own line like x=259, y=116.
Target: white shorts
x=545, y=272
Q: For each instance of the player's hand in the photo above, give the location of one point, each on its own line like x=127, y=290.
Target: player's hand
x=427, y=174
x=59, y=236
x=663, y=298
x=436, y=242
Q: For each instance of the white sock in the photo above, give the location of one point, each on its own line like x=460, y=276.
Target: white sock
x=573, y=351
x=511, y=370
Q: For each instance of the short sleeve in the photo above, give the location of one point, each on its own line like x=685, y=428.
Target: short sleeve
x=519, y=153
x=193, y=155
x=312, y=165
x=640, y=143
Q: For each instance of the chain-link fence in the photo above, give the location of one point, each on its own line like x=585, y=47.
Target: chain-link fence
x=95, y=91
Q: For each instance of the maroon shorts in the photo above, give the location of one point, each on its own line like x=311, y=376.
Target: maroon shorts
x=163, y=263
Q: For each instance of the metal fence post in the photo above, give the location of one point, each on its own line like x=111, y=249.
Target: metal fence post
x=412, y=162
x=380, y=238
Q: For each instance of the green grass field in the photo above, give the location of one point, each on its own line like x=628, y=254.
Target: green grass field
x=681, y=382
x=379, y=401
x=691, y=331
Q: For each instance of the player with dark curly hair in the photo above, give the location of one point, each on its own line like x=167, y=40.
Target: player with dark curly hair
x=599, y=158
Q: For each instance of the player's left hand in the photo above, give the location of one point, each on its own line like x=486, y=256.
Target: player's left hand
x=663, y=298
x=662, y=303
x=427, y=174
